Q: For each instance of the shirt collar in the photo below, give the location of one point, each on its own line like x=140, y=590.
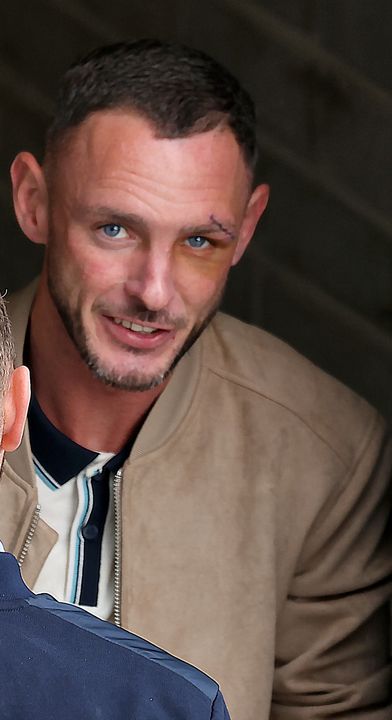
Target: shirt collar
x=61, y=457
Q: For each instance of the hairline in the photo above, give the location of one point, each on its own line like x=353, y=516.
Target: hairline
x=61, y=139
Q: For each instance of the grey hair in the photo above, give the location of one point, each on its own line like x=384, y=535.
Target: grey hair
x=7, y=349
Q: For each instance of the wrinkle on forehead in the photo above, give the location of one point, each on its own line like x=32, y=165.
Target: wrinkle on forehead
x=118, y=149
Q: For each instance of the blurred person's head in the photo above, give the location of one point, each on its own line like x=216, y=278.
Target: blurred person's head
x=14, y=389
x=145, y=201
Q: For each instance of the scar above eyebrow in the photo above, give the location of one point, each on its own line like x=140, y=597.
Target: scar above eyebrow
x=221, y=227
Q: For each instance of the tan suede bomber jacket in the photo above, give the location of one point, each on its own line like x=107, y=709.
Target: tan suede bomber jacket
x=253, y=535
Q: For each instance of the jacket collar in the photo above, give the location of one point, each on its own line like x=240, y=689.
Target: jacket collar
x=164, y=418
x=172, y=406
x=11, y=583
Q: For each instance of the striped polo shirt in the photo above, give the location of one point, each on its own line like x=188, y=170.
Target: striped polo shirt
x=76, y=499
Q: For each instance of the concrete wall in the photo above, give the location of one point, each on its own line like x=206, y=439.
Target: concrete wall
x=319, y=271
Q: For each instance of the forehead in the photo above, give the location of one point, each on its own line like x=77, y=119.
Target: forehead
x=120, y=152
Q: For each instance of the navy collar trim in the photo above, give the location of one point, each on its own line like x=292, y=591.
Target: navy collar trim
x=61, y=457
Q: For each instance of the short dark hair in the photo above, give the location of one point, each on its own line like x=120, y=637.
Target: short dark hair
x=7, y=350
x=181, y=90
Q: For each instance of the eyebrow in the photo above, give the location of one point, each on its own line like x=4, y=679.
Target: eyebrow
x=138, y=223
x=103, y=212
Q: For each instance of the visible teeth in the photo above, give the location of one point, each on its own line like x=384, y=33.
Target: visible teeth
x=134, y=326
x=141, y=328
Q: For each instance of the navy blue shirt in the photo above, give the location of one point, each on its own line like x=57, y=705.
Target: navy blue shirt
x=58, y=662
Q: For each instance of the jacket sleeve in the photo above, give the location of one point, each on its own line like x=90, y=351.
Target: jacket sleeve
x=333, y=634
x=219, y=709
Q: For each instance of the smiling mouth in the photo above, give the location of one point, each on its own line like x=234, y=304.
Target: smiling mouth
x=135, y=327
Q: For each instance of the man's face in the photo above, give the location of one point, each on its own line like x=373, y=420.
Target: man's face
x=143, y=231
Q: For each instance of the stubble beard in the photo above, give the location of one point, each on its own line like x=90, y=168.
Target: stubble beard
x=134, y=381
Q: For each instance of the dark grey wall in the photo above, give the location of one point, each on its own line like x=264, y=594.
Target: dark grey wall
x=319, y=271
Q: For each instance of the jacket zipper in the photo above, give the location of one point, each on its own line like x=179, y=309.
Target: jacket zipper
x=117, y=545
x=29, y=536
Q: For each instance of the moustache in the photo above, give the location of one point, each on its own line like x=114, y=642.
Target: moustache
x=139, y=312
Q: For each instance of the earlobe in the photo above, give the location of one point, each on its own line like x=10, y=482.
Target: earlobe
x=255, y=208
x=30, y=197
x=16, y=402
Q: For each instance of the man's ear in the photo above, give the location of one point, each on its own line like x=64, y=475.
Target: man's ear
x=254, y=210
x=16, y=402
x=30, y=197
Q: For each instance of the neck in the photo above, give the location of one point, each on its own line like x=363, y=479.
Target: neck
x=96, y=416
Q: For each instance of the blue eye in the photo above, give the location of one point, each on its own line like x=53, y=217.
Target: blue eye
x=113, y=231
x=197, y=242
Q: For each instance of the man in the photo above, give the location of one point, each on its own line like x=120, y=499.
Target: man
x=57, y=661
x=189, y=475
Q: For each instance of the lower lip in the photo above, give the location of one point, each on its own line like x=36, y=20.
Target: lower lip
x=132, y=339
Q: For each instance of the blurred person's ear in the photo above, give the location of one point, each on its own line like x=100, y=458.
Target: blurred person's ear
x=16, y=402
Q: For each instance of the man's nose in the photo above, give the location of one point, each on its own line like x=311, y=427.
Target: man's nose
x=151, y=279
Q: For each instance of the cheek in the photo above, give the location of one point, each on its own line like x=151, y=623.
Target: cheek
x=200, y=282
x=91, y=269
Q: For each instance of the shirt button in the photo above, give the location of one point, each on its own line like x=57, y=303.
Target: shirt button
x=90, y=532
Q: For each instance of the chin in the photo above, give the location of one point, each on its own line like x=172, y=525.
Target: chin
x=132, y=382
x=122, y=377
